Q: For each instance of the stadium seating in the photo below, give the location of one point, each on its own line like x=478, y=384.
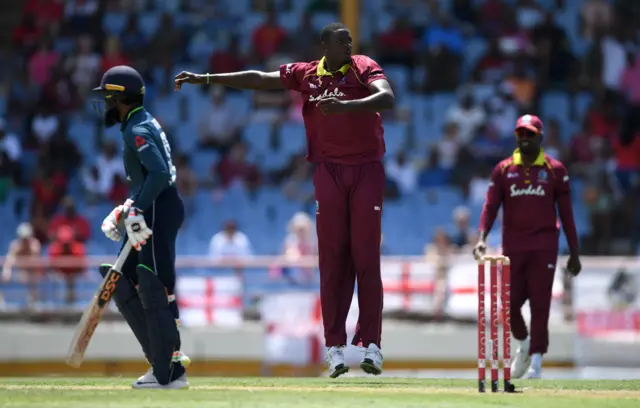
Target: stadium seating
x=408, y=223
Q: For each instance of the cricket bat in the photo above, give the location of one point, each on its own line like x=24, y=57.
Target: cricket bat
x=93, y=313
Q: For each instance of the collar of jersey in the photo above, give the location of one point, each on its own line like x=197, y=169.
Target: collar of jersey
x=322, y=71
x=131, y=112
x=539, y=161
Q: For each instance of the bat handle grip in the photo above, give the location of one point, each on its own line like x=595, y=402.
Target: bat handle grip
x=124, y=254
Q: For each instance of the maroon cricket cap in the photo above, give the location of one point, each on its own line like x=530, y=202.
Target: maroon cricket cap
x=530, y=122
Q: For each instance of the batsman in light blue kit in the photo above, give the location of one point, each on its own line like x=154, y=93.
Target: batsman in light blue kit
x=150, y=219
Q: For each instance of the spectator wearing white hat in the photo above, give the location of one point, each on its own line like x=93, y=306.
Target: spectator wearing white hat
x=25, y=245
x=10, y=152
x=9, y=143
x=300, y=241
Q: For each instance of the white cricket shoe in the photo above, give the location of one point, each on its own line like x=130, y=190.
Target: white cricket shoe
x=335, y=362
x=177, y=384
x=535, y=369
x=533, y=374
x=522, y=361
x=146, y=377
x=178, y=357
x=372, y=361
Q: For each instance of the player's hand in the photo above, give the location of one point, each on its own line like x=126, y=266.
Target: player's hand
x=480, y=249
x=186, y=77
x=573, y=264
x=332, y=106
x=112, y=225
x=136, y=227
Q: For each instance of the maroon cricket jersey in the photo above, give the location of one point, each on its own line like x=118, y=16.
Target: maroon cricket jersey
x=349, y=138
x=529, y=196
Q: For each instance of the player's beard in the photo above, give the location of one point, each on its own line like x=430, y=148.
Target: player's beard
x=111, y=117
x=529, y=147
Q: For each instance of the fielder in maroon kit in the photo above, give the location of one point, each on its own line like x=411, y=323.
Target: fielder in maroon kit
x=530, y=185
x=342, y=94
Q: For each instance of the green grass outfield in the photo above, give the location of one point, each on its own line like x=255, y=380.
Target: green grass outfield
x=55, y=392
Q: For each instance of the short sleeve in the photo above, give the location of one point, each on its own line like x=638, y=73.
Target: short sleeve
x=494, y=191
x=370, y=69
x=497, y=173
x=563, y=185
x=292, y=74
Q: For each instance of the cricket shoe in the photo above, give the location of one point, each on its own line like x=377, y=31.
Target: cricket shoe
x=522, y=361
x=372, y=361
x=152, y=383
x=335, y=361
x=535, y=369
x=178, y=357
x=534, y=374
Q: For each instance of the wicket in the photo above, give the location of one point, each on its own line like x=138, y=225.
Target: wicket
x=505, y=300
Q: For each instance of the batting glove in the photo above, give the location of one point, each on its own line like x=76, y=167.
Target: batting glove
x=112, y=226
x=136, y=227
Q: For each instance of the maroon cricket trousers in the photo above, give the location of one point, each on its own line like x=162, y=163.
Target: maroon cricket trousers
x=532, y=275
x=349, y=226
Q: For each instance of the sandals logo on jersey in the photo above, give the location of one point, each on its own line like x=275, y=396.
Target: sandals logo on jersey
x=108, y=288
x=529, y=191
x=326, y=94
x=140, y=143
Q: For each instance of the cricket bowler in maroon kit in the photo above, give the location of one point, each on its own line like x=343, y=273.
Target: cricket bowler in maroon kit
x=342, y=95
x=530, y=185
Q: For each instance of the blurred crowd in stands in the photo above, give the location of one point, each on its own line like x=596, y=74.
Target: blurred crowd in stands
x=478, y=63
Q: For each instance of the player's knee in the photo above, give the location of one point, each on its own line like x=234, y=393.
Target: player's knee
x=364, y=260
x=152, y=291
x=540, y=307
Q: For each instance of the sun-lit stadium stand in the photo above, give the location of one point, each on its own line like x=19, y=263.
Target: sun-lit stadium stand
x=162, y=38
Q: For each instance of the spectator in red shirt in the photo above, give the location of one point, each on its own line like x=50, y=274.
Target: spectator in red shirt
x=42, y=62
x=583, y=148
x=397, y=44
x=48, y=188
x=493, y=64
x=491, y=14
x=113, y=56
x=268, y=38
x=227, y=60
x=119, y=191
x=26, y=35
x=234, y=168
x=46, y=12
x=602, y=119
x=66, y=246
x=627, y=158
x=69, y=217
